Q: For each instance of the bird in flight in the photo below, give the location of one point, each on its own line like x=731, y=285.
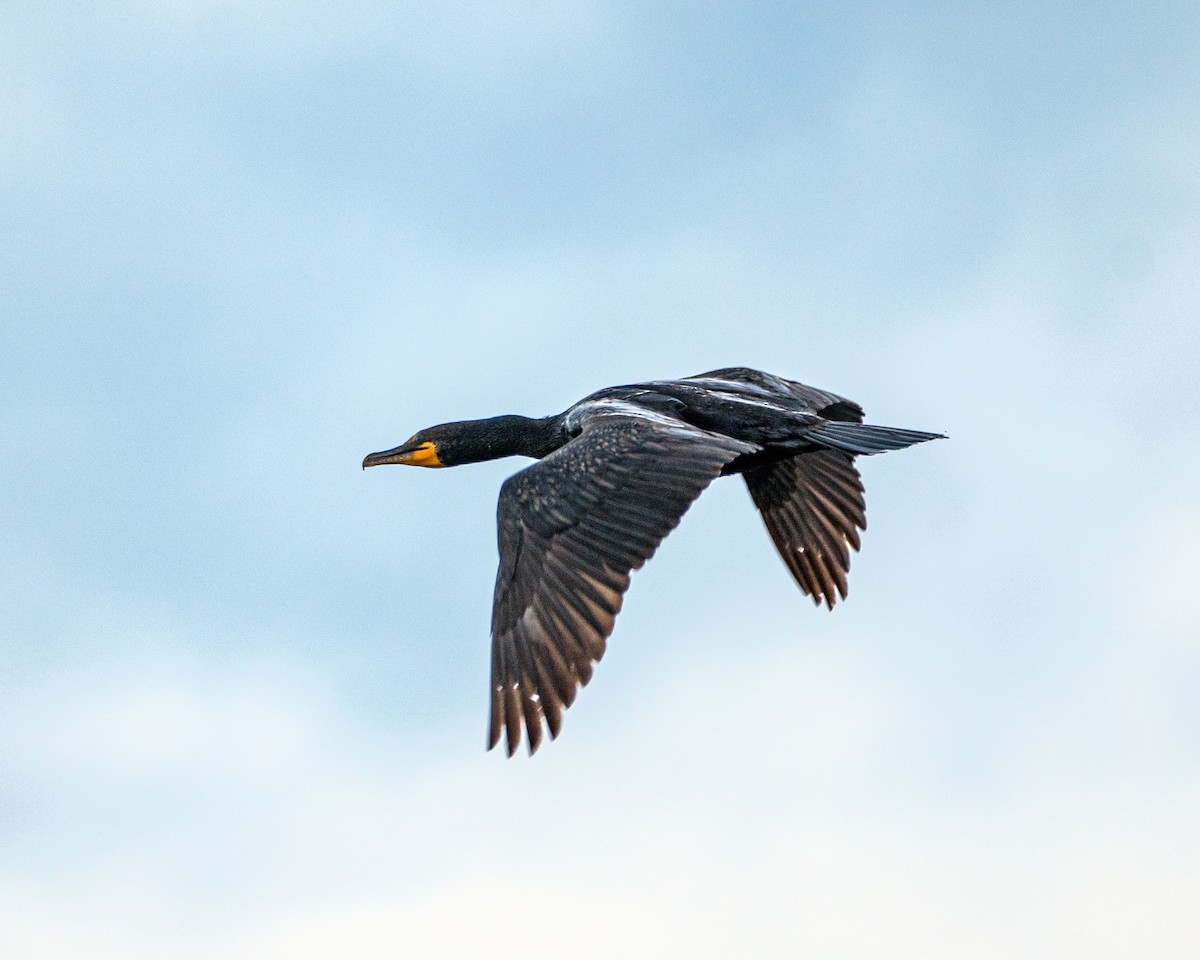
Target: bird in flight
x=616, y=472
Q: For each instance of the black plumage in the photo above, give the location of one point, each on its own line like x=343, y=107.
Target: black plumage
x=616, y=473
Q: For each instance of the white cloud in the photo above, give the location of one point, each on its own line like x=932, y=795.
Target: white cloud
x=760, y=833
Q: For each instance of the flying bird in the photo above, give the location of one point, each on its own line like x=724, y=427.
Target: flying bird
x=616, y=472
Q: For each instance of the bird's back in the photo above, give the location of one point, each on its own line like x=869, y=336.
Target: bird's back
x=736, y=402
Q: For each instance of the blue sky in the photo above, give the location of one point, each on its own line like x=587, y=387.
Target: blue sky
x=243, y=684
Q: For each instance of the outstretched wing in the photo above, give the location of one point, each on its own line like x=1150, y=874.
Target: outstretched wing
x=571, y=529
x=813, y=506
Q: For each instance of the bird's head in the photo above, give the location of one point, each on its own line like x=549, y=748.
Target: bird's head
x=426, y=448
x=467, y=441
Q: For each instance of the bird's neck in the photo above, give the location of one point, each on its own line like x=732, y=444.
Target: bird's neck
x=516, y=436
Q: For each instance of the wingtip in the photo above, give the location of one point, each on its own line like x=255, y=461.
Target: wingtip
x=495, y=717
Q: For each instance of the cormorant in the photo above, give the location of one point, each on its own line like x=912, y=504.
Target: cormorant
x=617, y=471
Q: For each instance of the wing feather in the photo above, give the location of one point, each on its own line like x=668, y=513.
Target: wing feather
x=571, y=529
x=813, y=507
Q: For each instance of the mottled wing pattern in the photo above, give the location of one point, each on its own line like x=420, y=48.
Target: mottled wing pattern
x=813, y=507
x=571, y=529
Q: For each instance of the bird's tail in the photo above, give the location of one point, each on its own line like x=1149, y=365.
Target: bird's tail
x=866, y=438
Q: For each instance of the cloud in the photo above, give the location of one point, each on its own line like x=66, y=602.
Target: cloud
x=769, y=829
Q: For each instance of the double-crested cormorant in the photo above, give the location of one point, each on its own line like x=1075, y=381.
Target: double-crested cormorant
x=616, y=472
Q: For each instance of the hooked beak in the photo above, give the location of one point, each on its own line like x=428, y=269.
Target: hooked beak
x=414, y=454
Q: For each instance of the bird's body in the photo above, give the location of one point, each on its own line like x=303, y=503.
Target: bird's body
x=617, y=471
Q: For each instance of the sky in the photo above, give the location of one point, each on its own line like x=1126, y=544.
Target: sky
x=243, y=684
